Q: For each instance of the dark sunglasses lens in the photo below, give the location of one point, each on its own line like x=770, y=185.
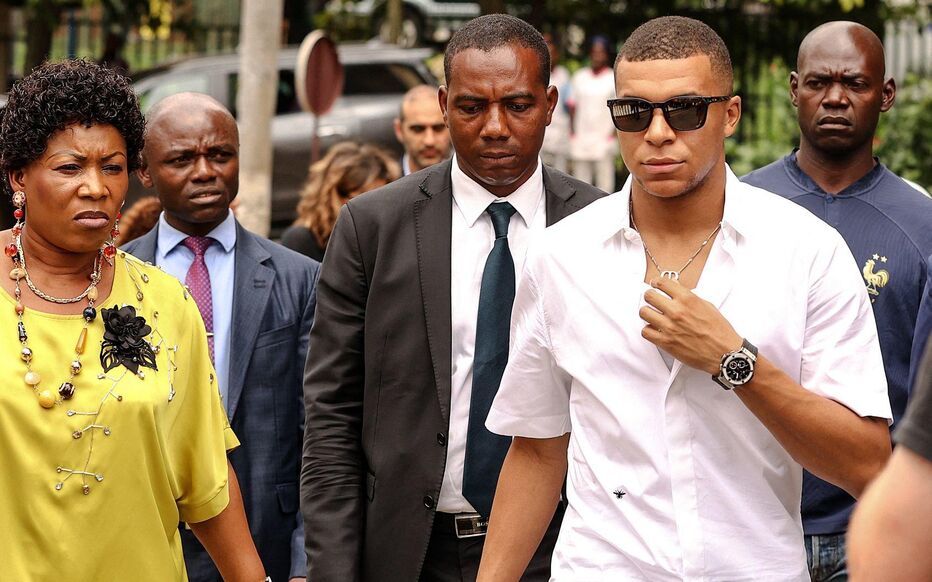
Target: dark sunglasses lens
x=686, y=114
x=631, y=114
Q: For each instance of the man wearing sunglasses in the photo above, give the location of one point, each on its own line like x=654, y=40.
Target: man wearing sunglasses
x=680, y=351
x=839, y=90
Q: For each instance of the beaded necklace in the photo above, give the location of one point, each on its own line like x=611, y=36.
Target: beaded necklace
x=32, y=378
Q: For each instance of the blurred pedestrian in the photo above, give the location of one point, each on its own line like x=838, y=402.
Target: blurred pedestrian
x=840, y=89
x=890, y=534
x=113, y=430
x=593, y=146
x=682, y=440
x=556, y=148
x=257, y=300
x=412, y=328
x=348, y=170
x=112, y=56
x=421, y=130
x=139, y=219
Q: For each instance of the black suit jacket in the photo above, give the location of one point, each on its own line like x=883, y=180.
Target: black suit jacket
x=273, y=307
x=377, y=382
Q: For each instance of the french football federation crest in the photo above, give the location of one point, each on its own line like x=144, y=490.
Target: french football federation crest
x=876, y=280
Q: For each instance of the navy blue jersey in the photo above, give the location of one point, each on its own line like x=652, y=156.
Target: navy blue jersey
x=888, y=227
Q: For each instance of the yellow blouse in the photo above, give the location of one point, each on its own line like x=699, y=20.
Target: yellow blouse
x=93, y=489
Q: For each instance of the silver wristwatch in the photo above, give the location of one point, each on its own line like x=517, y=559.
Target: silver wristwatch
x=737, y=368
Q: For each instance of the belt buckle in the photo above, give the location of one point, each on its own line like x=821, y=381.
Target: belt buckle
x=470, y=525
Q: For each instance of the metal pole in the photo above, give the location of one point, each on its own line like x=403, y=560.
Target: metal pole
x=260, y=26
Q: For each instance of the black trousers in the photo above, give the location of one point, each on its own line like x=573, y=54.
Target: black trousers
x=450, y=559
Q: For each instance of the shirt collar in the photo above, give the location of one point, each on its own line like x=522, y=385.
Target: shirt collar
x=405, y=165
x=472, y=198
x=737, y=214
x=802, y=179
x=170, y=237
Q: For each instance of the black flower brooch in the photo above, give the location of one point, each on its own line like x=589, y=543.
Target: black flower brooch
x=124, y=340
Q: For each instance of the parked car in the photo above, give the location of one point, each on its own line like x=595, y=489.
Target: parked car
x=377, y=76
x=423, y=21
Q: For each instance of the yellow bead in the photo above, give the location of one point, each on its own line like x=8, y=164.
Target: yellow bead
x=17, y=273
x=82, y=341
x=92, y=293
x=32, y=378
x=46, y=400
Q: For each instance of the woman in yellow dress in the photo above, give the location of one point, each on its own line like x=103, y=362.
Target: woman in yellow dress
x=111, y=426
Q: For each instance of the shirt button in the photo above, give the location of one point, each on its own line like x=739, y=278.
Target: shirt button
x=441, y=439
x=428, y=502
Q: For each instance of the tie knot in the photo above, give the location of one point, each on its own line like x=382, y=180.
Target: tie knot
x=198, y=244
x=500, y=213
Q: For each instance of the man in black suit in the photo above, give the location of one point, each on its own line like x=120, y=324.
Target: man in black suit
x=411, y=332
x=259, y=314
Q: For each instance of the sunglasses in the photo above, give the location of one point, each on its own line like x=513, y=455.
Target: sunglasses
x=682, y=113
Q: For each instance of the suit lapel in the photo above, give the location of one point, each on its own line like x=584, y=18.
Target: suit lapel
x=559, y=196
x=252, y=285
x=433, y=231
x=143, y=248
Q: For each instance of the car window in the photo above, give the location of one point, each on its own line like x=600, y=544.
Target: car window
x=169, y=85
x=361, y=79
x=286, y=101
x=380, y=78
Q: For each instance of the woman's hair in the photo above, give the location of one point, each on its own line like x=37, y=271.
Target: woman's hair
x=56, y=95
x=139, y=219
x=347, y=168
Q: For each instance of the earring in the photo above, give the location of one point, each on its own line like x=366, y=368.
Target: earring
x=109, y=248
x=19, y=202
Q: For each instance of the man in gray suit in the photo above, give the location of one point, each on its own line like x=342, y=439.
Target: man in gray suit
x=257, y=299
x=411, y=334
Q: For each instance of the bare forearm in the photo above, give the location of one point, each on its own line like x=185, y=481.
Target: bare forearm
x=823, y=436
x=890, y=527
x=227, y=539
x=525, y=499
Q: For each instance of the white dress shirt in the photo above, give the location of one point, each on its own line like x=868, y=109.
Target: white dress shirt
x=671, y=477
x=473, y=237
x=175, y=259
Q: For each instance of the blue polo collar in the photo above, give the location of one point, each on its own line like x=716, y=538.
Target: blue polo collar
x=864, y=184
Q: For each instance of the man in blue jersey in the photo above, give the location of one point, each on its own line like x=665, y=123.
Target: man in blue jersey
x=839, y=90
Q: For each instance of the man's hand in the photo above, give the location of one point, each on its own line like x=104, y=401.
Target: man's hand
x=686, y=326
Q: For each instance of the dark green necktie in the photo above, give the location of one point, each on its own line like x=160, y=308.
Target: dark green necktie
x=486, y=451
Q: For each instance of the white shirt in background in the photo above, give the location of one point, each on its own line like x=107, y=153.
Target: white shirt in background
x=593, y=131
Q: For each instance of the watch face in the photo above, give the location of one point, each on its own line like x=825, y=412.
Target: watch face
x=738, y=369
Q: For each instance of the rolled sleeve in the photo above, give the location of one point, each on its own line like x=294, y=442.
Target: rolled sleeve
x=200, y=435
x=841, y=357
x=533, y=399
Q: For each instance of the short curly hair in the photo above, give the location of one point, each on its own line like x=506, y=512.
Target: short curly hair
x=491, y=31
x=56, y=95
x=678, y=37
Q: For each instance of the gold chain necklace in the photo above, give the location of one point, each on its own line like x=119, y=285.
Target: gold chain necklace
x=669, y=274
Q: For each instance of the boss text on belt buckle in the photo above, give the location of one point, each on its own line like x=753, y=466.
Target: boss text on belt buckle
x=470, y=525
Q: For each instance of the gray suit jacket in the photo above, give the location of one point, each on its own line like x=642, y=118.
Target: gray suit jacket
x=274, y=297
x=377, y=383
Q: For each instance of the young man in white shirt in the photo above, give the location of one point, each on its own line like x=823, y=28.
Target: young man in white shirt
x=633, y=369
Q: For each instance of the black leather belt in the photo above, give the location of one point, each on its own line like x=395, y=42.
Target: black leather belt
x=462, y=525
